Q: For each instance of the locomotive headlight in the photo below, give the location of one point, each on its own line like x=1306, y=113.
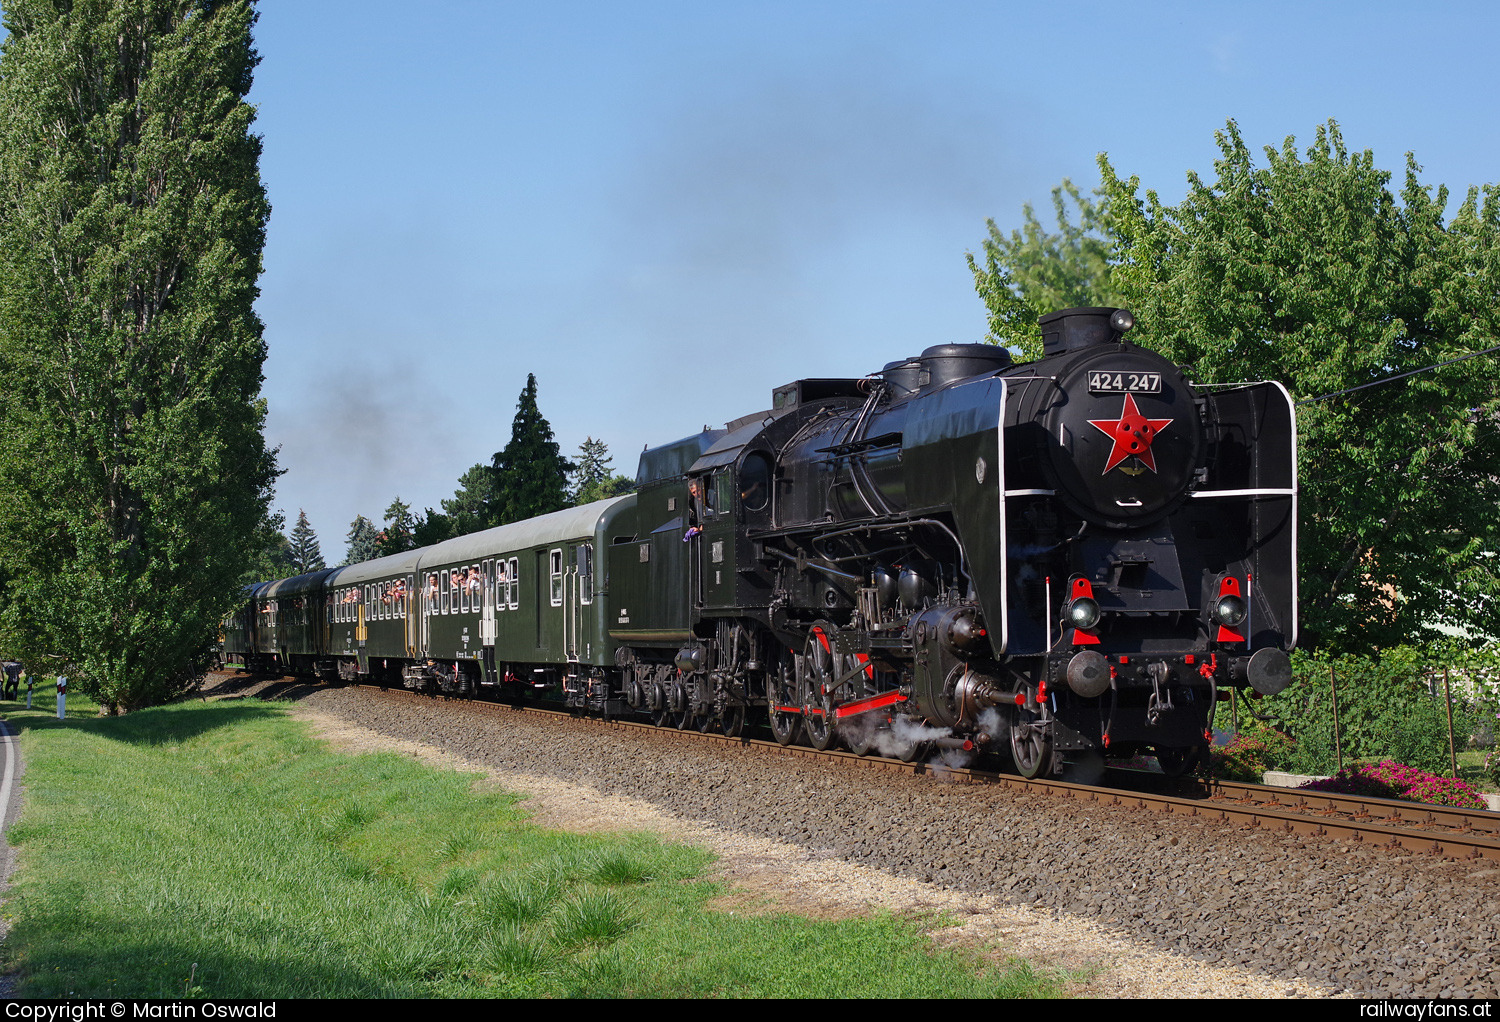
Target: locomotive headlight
x=1230, y=611
x=1083, y=613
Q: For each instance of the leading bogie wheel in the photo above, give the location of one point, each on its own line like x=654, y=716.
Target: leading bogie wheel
x=1031, y=740
x=861, y=732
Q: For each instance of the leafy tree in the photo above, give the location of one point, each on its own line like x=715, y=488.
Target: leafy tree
x=432, y=527
x=1031, y=272
x=133, y=470
x=304, y=546
x=362, y=541
x=273, y=553
x=473, y=507
x=399, y=534
x=592, y=477
x=613, y=486
x=1308, y=270
x=531, y=475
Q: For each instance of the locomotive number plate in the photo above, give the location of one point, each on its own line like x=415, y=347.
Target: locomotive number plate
x=1124, y=383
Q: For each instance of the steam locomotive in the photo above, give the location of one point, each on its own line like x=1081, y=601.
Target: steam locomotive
x=1074, y=557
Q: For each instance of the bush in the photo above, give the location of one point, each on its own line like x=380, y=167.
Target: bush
x=1390, y=706
x=1257, y=747
x=1389, y=779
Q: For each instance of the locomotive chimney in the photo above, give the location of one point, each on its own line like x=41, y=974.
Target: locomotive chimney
x=1071, y=329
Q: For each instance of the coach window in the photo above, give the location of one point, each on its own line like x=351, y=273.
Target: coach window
x=443, y=586
x=556, y=561
x=461, y=597
x=513, y=589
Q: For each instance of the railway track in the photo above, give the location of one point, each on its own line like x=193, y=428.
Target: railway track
x=1390, y=824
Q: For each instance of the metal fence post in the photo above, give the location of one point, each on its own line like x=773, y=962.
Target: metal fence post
x=1338, y=742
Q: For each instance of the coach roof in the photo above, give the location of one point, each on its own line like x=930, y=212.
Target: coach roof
x=569, y=523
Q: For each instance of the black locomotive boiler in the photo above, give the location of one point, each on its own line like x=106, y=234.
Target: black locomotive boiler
x=1053, y=560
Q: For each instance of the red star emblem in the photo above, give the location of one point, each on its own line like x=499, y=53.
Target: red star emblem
x=1132, y=434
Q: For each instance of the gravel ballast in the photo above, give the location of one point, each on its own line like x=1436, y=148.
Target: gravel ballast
x=1161, y=906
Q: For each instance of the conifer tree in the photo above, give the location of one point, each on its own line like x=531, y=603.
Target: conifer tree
x=531, y=475
x=362, y=541
x=399, y=534
x=133, y=470
x=592, y=477
x=472, y=508
x=304, y=546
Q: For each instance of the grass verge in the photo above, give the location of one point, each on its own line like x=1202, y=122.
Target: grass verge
x=218, y=850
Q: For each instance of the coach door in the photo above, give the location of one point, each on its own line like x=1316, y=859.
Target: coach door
x=429, y=607
x=488, y=587
x=362, y=633
x=411, y=608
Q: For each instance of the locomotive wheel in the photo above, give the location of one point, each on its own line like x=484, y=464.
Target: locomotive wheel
x=786, y=727
x=816, y=673
x=734, y=720
x=1030, y=742
x=862, y=736
x=860, y=732
x=820, y=730
x=910, y=752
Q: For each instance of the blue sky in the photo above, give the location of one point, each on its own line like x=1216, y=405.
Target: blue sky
x=665, y=209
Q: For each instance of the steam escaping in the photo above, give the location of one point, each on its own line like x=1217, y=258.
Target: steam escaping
x=997, y=725
x=895, y=739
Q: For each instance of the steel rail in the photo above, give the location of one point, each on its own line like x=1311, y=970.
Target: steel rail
x=1415, y=827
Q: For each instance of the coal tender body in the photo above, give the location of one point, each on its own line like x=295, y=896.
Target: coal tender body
x=1053, y=560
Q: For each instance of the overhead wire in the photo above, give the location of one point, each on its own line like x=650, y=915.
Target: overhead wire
x=1399, y=376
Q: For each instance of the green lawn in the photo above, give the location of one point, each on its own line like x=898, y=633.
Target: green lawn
x=218, y=850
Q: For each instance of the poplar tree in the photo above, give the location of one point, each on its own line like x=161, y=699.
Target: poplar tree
x=133, y=470
x=531, y=475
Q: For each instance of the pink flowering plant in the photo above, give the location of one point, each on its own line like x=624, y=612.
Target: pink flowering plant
x=1254, y=750
x=1389, y=779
